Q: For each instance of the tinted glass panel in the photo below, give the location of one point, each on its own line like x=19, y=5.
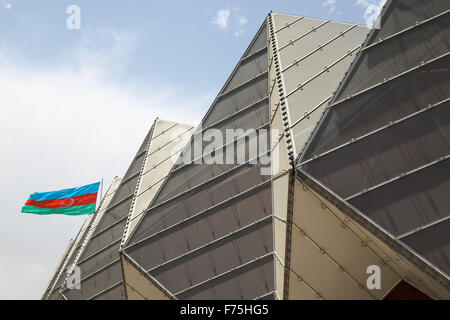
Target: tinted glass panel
x=183, y=207
x=104, y=239
x=203, y=229
x=398, y=55
x=245, y=283
x=94, y=285
x=416, y=200
x=248, y=69
x=113, y=214
x=433, y=243
x=403, y=14
x=243, y=97
x=374, y=109
x=386, y=154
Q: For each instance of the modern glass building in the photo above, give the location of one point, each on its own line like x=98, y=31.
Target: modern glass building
x=334, y=164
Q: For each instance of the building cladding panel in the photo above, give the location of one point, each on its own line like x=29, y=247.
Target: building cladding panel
x=392, y=114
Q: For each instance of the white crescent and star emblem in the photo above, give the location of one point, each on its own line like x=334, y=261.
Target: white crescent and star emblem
x=67, y=202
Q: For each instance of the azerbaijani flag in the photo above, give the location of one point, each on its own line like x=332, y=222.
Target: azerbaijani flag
x=73, y=202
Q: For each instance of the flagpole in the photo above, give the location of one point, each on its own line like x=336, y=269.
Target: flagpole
x=101, y=192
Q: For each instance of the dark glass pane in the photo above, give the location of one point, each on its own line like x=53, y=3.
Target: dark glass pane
x=433, y=243
x=385, y=154
x=376, y=108
x=245, y=283
x=96, y=284
x=144, y=144
x=188, y=205
x=260, y=41
x=218, y=258
x=411, y=202
x=100, y=260
x=113, y=214
x=248, y=69
x=192, y=175
x=202, y=230
x=125, y=190
x=403, y=14
x=116, y=293
x=398, y=55
x=243, y=97
x=135, y=167
x=104, y=239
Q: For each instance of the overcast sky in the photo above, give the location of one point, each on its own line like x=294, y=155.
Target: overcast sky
x=76, y=104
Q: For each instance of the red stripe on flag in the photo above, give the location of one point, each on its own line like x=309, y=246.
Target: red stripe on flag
x=63, y=203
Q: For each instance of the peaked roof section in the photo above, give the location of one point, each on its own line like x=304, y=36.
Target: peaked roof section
x=311, y=57
x=99, y=262
x=208, y=232
x=383, y=146
x=167, y=142
x=78, y=245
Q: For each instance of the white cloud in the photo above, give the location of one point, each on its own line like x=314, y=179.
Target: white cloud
x=223, y=21
x=331, y=4
x=239, y=33
x=8, y=6
x=222, y=18
x=242, y=21
x=372, y=9
x=63, y=126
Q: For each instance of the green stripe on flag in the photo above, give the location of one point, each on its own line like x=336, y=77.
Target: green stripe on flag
x=70, y=211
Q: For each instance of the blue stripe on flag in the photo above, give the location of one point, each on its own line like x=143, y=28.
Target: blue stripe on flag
x=66, y=193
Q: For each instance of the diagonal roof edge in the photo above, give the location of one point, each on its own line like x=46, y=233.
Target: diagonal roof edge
x=317, y=18
x=125, y=233
x=341, y=86
x=263, y=25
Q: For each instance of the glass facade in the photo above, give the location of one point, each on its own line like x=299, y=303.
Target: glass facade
x=208, y=232
x=384, y=144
